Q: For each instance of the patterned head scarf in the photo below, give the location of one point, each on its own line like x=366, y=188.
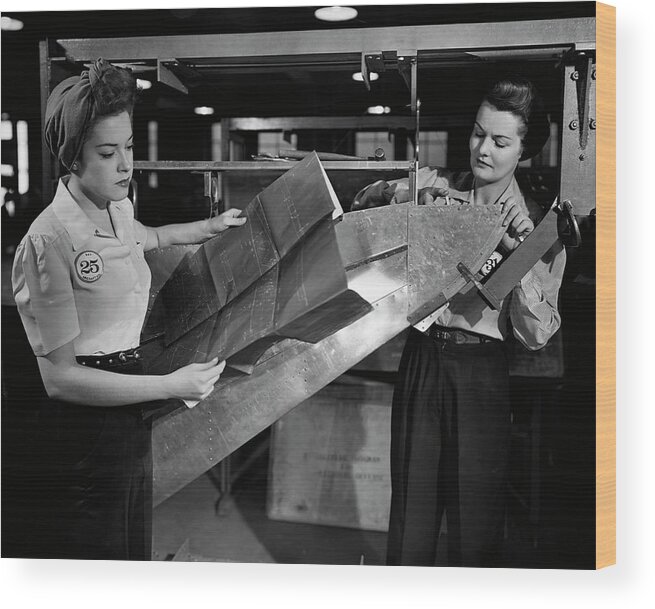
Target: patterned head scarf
x=69, y=110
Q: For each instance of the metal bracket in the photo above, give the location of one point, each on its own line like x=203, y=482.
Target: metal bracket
x=212, y=191
x=407, y=66
x=583, y=75
x=166, y=76
x=372, y=61
x=486, y=294
x=413, y=172
x=567, y=228
x=522, y=259
x=578, y=145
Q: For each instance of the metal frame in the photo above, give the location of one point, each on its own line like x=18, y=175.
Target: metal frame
x=400, y=47
x=328, y=45
x=46, y=160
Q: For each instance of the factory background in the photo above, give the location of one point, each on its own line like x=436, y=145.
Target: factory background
x=554, y=434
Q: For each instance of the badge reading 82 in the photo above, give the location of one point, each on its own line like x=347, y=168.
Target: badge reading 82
x=89, y=266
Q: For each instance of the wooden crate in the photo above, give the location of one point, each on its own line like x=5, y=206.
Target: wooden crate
x=330, y=458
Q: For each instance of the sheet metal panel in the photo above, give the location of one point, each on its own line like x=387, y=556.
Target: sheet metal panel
x=367, y=234
x=189, y=442
x=281, y=275
x=373, y=245
x=440, y=237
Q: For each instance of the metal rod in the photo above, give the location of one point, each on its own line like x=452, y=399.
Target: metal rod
x=203, y=166
x=417, y=135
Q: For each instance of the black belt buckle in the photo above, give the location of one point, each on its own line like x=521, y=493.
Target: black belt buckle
x=444, y=335
x=123, y=356
x=111, y=360
x=441, y=334
x=456, y=337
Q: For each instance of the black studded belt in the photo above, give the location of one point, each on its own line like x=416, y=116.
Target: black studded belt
x=457, y=337
x=110, y=361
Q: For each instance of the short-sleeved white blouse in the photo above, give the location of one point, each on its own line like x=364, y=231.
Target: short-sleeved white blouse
x=72, y=281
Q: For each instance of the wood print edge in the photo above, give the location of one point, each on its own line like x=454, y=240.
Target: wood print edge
x=606, y=287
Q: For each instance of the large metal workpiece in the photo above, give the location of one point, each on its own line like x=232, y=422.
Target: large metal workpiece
x=402, y=259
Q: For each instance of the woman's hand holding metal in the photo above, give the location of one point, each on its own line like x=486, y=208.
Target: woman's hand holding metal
x=517, y=222
x=429, y=194
x=195, y=381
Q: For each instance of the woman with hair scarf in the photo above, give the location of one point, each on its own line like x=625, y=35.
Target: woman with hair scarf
x=81, y=284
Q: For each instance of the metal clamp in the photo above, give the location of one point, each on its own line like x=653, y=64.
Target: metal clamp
x=486, y=294
x=372, y=61
x=166, y=75
x=407, y=66
x=582, y=75
x=567, y=225
x=212, y=190
x=413, y=171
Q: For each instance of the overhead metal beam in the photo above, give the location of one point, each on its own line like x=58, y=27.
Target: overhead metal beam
x=384, y=122
x=313, y=43
x=204, y=166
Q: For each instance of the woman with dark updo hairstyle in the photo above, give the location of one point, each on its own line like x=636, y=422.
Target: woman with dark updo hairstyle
x=451, y=407
x=81, y=284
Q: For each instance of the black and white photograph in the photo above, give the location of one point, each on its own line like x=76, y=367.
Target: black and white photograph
x=305, y=285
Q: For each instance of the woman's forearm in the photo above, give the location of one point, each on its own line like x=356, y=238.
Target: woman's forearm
x=82, y=385
x=193, y=232
x=180, y=234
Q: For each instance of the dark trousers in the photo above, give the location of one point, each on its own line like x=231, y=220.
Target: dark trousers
x=81, y=485
x=449, y=452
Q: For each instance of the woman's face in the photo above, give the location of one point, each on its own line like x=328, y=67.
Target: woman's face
x=105, y=164
x=495, y=144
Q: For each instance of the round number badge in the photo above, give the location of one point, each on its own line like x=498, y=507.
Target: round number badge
x=89, y=266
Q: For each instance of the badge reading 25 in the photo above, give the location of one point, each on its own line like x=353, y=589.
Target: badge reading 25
x=89, y=266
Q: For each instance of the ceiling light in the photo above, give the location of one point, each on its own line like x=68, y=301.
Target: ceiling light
x=11, y=25
x=371, y=76
x=204, y=110
x=378, y=110
x=335, y=13
x=143, y=84
x=6, y=129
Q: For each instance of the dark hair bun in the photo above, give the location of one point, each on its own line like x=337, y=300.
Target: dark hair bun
x=519, y=96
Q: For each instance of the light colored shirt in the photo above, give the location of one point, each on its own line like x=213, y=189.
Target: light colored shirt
x=530, y=311
x=73, y=281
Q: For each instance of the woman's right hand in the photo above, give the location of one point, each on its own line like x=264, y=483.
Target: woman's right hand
x=517, y=223
x=427, y=195
x=196, y=381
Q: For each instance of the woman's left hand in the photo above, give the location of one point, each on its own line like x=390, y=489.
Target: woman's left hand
x=517, y=222
x=226, y=220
